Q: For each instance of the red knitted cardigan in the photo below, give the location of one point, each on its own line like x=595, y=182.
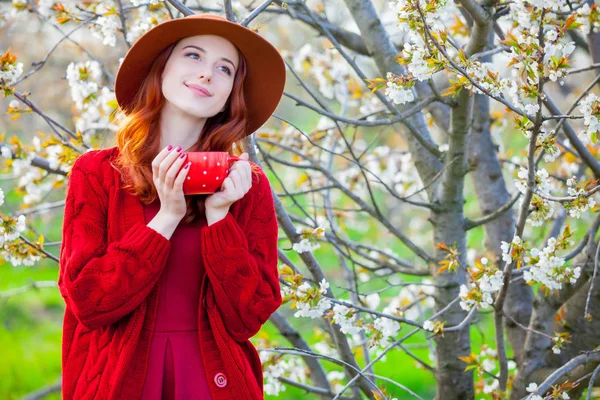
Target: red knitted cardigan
x=109, y=269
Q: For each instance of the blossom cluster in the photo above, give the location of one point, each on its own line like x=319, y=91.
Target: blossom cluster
x=588, y=18
x=533, y=389
x=94, y=104
x=105, y=27
x=398, y=90
x=514, y=250
x=547, y=141
x=310, y=302
x=486, y=280
x=309, y=239
x=11, y=228
x=542, y=208
x=345, y=317
x=416, y=59
x=542, y=181
x=10, y=71
x=381, y=165
x=145, y=18
x=411, y=21
x=486, y=365
x=17, y=164
x=387, y=166
x=12, y=249
x=486, y=76
x=35, y=183
x=547, y=268
x=583, y=201
x=590, y=108
x=383, y=329
x=335, y=78
x=307, y=299
x=292, y=368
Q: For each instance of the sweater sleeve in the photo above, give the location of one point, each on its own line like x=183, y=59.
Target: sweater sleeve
x=241, y=266
x=102, y=282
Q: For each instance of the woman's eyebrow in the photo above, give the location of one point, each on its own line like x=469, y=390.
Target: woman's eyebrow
x=204, y=51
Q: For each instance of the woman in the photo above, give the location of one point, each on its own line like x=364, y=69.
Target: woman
x=162, y=290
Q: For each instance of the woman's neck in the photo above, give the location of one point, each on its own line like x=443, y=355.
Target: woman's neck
x=178, y=128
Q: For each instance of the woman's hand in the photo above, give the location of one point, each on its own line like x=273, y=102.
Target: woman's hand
x=234, y=187
x=168, y=177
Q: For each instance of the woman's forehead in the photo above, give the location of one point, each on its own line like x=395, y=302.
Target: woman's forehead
x=210, y=43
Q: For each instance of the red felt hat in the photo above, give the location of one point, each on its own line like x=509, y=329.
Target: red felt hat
x=265, y=79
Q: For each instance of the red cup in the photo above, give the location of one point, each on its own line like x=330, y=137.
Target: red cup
x=207, y=171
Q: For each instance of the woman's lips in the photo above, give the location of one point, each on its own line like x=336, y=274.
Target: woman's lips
x=197, y=91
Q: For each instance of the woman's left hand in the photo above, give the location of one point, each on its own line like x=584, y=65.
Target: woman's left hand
x=234, y=187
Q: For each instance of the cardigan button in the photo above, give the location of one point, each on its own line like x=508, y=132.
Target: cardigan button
x=221, y=380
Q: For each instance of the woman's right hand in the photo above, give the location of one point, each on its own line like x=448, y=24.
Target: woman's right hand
x=168, y=180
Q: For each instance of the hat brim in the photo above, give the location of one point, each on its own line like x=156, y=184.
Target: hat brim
x=265, y=79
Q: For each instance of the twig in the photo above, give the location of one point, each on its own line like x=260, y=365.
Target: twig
x=592, y=356
x=33, y=285
x=182, y=8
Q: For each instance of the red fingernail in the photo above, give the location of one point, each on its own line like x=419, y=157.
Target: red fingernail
x=182, y=155
x=170, y=148
x=178, y=148
x=187, y=165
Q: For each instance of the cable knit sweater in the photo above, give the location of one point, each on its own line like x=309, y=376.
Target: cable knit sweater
x=111, y=262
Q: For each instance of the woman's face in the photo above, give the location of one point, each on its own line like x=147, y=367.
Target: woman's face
x=196, y=62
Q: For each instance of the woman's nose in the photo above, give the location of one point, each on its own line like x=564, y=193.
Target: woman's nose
x=205, y=75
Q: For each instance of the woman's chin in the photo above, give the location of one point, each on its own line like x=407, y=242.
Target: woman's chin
x=193, y=112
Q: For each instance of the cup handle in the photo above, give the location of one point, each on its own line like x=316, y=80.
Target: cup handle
x=231, y=159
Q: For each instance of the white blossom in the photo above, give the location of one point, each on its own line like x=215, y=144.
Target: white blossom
x=305, y=309
x=106, y=27
x=11, y=73
x=292, y=369
x=418, y=66
x=12, y=234
x=590, y=119
x=305, y=245
x=373, y=300
x=398, y=94
x=340, y=316
x=6, y=152
x=388, y=328
x=504, y=246
x=309, y=241
x=532, y=388
x=550, y=270
x=83, y=79
x=428, y=325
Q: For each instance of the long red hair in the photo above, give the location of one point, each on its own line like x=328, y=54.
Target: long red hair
x=138, y=137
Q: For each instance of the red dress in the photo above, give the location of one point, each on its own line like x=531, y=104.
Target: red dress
x=175, y=369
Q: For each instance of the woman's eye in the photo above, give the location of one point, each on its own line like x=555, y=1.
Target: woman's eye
x=228, y=72
x=192, y=54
